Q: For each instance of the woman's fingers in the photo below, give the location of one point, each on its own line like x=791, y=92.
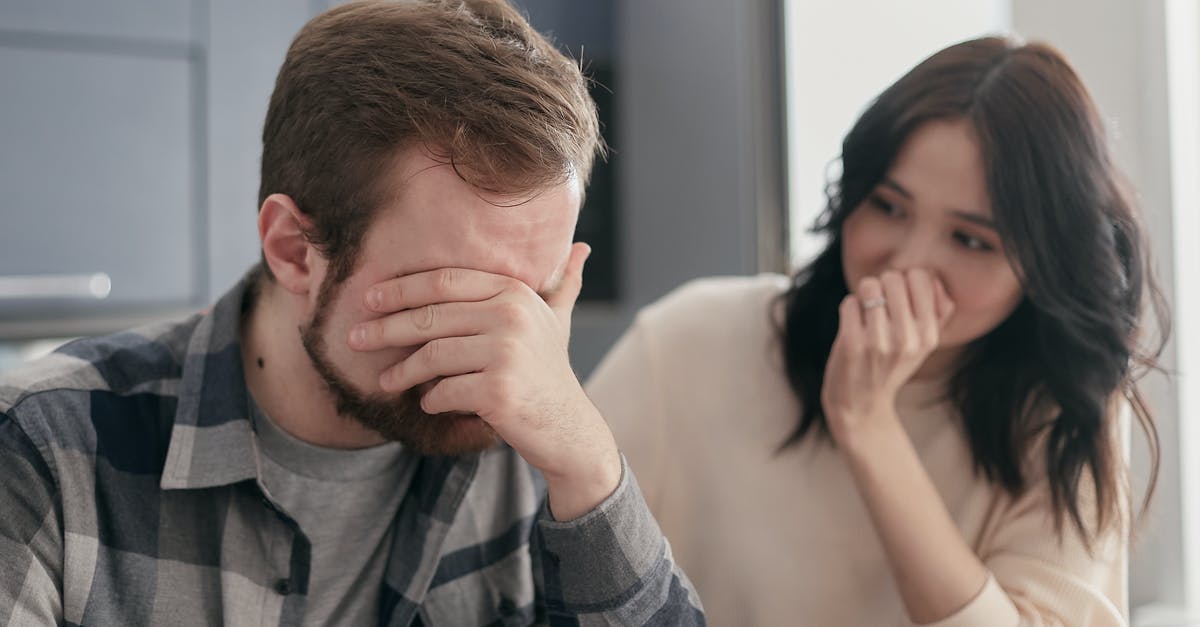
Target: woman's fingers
x=900, y=312
x=850, y=323
x=924, y=305
x=903, y=312
x=875, y=315
x=945, y=304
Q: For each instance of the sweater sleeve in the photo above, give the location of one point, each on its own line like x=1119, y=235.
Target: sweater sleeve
x=1038, y=576
x=627, y=389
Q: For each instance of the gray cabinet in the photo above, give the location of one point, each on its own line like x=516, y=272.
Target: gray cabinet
x=99, y=171
x=113, y=20
x=122, y=124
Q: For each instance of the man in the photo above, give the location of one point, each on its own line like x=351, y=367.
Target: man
x=379, y=425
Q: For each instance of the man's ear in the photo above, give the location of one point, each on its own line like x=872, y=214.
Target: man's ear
x=282, y=228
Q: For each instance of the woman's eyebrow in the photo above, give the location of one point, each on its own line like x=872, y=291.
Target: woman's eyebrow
x=974, y=217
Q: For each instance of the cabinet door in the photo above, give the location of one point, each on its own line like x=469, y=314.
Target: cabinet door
x=145, y=20
x=100, y=173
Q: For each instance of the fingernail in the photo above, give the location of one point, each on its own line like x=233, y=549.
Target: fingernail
x=375, y=298
x=358, y=336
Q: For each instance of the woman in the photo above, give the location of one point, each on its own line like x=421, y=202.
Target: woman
x=921, y=426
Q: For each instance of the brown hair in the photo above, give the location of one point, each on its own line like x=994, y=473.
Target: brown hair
x=470, y=80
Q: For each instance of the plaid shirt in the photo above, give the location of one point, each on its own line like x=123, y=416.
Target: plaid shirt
x=130, y=495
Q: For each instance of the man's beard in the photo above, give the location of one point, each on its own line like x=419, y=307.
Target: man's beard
x=396, y=417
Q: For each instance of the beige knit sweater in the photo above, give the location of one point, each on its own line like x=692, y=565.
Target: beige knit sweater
x=696, y=396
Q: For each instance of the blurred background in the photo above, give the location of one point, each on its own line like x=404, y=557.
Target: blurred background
x=130, y=142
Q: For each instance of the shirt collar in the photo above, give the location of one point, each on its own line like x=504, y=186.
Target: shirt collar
x=212, y=440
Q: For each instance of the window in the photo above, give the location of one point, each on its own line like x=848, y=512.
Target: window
x=839, y=55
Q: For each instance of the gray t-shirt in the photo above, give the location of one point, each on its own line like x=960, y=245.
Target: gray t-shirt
x=345, y=502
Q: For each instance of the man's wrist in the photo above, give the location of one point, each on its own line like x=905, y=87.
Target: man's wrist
x=579, y=491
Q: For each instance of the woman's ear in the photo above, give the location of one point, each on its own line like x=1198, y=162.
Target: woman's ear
x=285, y=247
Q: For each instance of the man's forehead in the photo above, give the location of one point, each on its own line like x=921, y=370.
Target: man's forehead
x=436, y=220
x=414, y=163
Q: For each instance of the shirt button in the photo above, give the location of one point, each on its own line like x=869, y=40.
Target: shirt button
x=283, y=587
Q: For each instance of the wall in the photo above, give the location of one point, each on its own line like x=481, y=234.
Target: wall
x=1119, y=51
x=700, y=152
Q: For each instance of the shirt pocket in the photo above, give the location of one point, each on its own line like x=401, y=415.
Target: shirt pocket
x=497, y=591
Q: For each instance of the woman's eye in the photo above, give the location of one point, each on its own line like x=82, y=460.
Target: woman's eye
x=971, y=242
x=884, y=206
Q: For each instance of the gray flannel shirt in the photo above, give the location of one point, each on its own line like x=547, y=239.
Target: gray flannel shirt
x=130, y=495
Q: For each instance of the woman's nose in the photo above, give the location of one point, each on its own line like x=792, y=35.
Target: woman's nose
x=916, y=251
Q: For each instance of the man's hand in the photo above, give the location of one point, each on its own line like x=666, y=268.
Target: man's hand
x=499, y=351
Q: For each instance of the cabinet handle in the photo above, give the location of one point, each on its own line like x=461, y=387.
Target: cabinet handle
x=94, y=286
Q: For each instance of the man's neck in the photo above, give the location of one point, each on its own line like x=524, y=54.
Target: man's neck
x=283, y=382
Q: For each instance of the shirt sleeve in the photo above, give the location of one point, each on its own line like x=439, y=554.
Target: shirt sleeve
x=613, y=566
x=31, y=533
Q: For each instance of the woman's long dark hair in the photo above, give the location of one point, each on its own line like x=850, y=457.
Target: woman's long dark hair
x=1050, y=374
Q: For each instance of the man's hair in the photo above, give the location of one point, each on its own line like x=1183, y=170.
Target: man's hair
x=468, y=80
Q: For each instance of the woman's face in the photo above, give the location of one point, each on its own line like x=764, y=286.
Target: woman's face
x=932, y=211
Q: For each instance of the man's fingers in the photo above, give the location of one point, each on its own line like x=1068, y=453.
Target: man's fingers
x=413, y=327
x=442, y=285
x=443, y=357
x=562, y=301
x=460, y=394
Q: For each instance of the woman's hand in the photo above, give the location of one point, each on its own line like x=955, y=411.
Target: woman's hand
x=887, y=328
